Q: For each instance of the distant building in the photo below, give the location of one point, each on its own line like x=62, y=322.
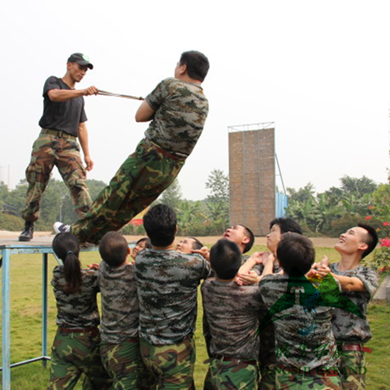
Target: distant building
x=253, y=198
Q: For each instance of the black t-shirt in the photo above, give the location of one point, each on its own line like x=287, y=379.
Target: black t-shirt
x=62, y=116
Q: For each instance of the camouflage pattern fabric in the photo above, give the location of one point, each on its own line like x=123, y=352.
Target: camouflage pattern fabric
x=181, y=110
x=49, y=150
x=79, y=309
x=235, y=375
x=232, y=313
x=167, y=287
x=267, y=357
x=171, y=366
x=120, y=311
x=139, y=181
x=122, y=362
x=348, y=327
x=293, y=381
x=74, y=354
x=352, y=370
x=303, y=335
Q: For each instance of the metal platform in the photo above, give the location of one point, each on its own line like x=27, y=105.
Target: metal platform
x=9, y=247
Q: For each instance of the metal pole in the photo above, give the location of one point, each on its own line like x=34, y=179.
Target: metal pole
x=44, y=308
x=6, y=339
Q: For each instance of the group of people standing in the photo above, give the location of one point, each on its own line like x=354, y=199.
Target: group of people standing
x=274, y=320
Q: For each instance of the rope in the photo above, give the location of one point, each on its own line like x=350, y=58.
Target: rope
x=105, y=93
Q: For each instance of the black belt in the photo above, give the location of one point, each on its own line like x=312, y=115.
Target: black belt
x=89, y=329
x=59, y=134
x=232, y=359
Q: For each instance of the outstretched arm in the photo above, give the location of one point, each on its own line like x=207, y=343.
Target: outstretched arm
x=62, y=95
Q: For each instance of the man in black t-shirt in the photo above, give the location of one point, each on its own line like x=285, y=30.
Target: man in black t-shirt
x=63, y=120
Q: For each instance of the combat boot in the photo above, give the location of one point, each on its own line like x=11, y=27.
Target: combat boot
x=28, y=232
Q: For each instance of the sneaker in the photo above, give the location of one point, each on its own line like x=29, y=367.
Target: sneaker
x=60, y=227
x=28, y=232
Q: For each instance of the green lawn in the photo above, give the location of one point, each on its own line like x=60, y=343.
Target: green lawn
x=26, y=306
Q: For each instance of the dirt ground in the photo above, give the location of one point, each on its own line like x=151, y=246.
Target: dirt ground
x=317, y=241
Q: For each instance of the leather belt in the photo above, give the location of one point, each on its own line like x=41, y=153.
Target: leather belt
x=232, y=359
x=58, y=134
x=89, y=329
x=164, y=152
x=313, y=372
x=354, y=347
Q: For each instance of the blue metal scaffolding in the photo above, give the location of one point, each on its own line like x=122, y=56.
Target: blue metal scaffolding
x=6, y=251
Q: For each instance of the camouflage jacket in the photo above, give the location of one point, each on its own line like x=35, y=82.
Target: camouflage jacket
x=232, y=315
x=120, y=311
x=79, y=309
x=303, y=335
x=167, y=286
x=180, y=113
x=348, y=327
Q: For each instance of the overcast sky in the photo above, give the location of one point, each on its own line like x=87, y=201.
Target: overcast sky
x=320, y=70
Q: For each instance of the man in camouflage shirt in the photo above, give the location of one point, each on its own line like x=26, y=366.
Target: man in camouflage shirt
x=167, y=286
x=119, y=324
x=233, y=319
x=177, y=109
x=306, y=352
x=359, y=284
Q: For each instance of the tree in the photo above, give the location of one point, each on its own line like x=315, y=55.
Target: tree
x=217, y=201
x=172, y=196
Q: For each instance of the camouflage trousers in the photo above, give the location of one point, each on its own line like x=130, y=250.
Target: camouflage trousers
x=232, y=375
x=171, y=366
x=297, y=381
x=352, y=370
x=122, y=362
x=267, y=358
x=64, y=153
x=143, y=176
x=74, y=354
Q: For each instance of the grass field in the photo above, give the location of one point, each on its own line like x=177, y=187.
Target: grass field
x=26, y=308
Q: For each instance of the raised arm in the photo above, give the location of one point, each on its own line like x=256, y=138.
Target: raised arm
x=144, y=113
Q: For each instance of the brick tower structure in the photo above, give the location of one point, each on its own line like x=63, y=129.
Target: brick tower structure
x=252, y=176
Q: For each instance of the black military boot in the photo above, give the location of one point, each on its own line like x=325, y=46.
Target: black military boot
x=28, y=232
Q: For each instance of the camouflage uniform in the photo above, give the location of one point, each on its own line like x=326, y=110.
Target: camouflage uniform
x=59, y=148
x=267, y=358
x=232, y=314
x=167, y=286
x=76, y=344
x=350, y=329
x=306, y=352
x=180, y=113
x=119, y=324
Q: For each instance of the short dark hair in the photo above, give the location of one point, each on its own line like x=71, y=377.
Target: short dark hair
x=148, y=244
x=251, y=236
x=372, y=239
x=286, y=225
x=197, y=64
x=225, y=259
x=160, y=225
x=67, y=247
x=295, y=251
x=113, y=249
x=196, y=244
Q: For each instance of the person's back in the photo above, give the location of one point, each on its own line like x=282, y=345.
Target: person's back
x=76, y=344
x=232, y=319
x=167, y=285
x=119, y=325
x=306, y=351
